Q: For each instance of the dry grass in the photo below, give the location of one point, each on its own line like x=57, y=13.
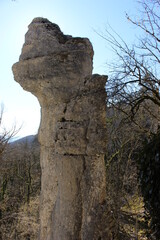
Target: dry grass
x=22, y=225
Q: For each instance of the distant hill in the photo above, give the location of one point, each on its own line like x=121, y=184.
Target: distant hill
x=31, y=141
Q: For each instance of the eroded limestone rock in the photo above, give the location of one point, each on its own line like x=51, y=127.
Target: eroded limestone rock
x=57, y=69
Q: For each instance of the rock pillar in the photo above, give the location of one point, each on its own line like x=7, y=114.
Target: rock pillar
x=57, y=69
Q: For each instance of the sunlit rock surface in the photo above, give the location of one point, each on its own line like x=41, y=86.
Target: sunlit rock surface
x=57, y=69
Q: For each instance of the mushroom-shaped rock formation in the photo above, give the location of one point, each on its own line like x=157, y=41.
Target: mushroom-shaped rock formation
x=57, y=69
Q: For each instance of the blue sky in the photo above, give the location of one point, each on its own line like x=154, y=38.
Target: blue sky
x=77, y=18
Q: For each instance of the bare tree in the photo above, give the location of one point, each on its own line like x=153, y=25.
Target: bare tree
x=5, y=135
x=134, y=91
x=124, y=142
x=135, y=77
x=20, y=189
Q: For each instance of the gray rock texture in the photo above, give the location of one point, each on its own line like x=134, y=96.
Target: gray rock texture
x=57, y=69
